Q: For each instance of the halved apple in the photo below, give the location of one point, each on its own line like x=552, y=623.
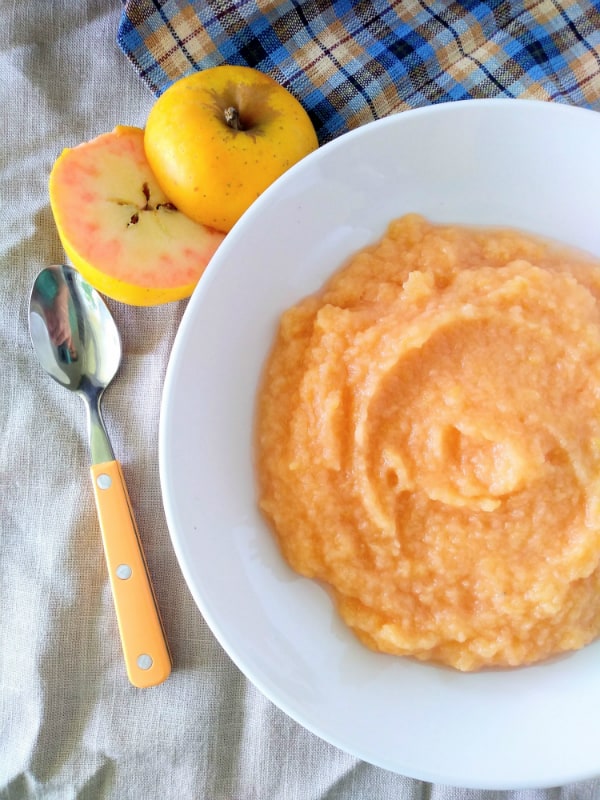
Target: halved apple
x=118, y=227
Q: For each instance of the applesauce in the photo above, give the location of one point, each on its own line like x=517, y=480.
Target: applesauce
x=428, y=444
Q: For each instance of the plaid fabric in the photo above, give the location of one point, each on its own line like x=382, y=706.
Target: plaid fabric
x=352, y=62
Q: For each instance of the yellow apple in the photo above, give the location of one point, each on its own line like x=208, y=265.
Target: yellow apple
x=118, y=227
x=218, y=138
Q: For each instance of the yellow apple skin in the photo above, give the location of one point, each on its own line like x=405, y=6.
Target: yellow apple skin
x=207, y=167
x=117, y=226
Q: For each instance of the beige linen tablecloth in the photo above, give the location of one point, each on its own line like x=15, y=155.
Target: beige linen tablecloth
x=71, y=726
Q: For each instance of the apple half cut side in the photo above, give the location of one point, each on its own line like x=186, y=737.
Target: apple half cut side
x=118, y=227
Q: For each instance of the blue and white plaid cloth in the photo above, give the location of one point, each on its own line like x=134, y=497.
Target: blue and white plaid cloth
x=352, y=62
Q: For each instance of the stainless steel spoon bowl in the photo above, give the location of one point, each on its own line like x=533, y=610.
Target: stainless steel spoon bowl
x=78, y=344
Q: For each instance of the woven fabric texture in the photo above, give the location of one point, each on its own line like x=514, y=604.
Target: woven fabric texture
x=352, y=62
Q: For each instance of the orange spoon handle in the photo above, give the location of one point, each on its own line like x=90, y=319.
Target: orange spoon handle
x=145, y=647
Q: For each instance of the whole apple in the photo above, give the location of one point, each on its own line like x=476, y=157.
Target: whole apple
x=218, y=138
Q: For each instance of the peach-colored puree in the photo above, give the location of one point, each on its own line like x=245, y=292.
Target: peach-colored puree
x=429, y=444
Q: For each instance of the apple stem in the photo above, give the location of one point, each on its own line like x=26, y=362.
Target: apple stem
x=232, y=118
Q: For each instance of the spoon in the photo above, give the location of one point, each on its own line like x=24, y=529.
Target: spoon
x=78, y=344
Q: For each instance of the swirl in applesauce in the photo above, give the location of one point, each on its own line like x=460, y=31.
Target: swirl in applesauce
x=429, y=444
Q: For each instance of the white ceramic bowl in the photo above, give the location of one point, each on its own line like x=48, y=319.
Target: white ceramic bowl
x=531, y=165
